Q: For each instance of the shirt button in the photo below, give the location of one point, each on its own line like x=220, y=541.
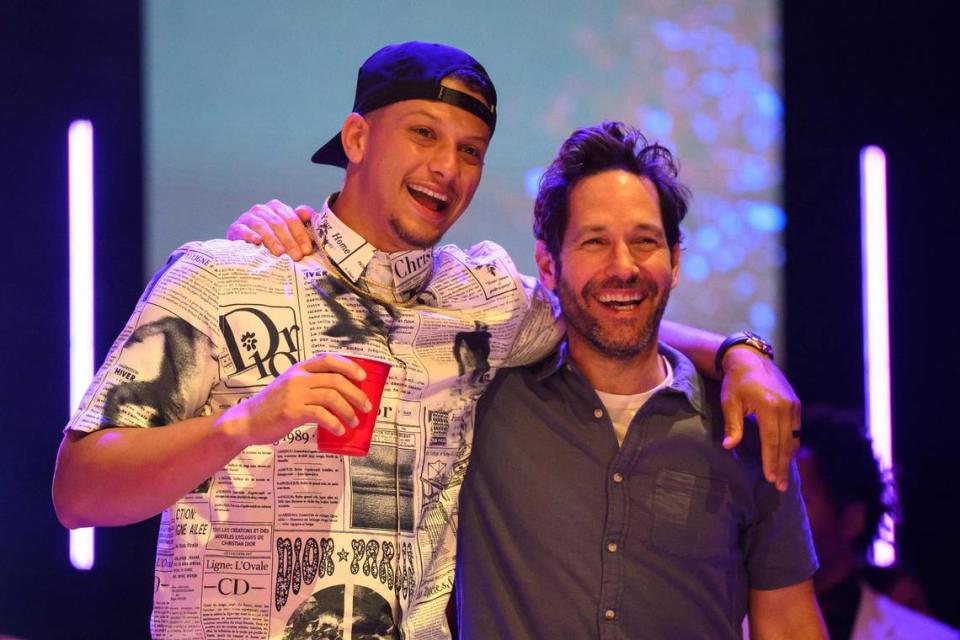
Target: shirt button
x=612, y=547
x=618, y=477
x=598, y=413
x=609, y=614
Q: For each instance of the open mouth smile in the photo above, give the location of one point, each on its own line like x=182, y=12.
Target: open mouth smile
x=432, y=200
x=623, y=301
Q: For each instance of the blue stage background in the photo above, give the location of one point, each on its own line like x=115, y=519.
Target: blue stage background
x=237, y=96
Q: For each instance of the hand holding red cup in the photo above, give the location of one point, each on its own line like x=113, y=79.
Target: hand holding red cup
x=355, y=441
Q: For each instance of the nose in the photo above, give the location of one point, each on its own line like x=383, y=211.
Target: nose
x=443, y=162
x=621, y=261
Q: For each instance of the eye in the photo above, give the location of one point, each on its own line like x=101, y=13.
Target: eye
x=594, y=242
x=423, y=132
x=647, y=242
x=472, y=156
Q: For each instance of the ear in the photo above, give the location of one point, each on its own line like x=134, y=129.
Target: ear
x=675, y=265
x=354, y=135
x=546, y=266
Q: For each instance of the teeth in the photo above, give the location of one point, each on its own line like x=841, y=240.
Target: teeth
x=621, y=298
x=433, y=194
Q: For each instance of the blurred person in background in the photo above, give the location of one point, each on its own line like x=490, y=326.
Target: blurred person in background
x=847, y=496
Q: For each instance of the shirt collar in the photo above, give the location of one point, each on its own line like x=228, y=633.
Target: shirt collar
x=686, y=381
x=394, y=277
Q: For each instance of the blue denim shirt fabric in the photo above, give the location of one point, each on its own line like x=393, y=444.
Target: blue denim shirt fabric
x=563, y=534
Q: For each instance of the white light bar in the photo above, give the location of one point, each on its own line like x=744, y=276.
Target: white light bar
x=80, y=176
x=876, y=324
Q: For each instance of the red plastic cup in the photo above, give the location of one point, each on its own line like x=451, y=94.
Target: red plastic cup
x=356, y=440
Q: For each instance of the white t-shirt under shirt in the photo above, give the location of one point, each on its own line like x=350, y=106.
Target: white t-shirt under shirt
x=622, y=408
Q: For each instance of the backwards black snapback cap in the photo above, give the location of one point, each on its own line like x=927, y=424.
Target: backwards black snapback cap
x=412, y=71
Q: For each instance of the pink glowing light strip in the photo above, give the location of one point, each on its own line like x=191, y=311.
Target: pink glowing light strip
x=876, y=325
x=80, y=166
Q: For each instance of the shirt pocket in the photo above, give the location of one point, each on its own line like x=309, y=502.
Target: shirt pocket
x=691, y=515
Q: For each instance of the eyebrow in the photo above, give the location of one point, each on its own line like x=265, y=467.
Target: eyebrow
x=421, y=112
x=643, y=226
x=485, y=139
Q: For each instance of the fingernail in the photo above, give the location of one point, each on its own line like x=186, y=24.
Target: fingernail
x=354, y=421
x=361, y=373
x=307, y=248
x=367, y=406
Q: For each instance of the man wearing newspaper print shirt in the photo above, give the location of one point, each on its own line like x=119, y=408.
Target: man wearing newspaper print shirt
x=227, y=364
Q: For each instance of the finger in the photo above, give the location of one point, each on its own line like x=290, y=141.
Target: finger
x=296, y=220
x=768, y=425
x=334, y=402
x=278, y=217
x=327, y=421
x=240, y=231
x=788, y=449
x=262, y=229
x=338, y=383
x=732, y=421
x=305, y=213
x=334, y=363
x=790, y=444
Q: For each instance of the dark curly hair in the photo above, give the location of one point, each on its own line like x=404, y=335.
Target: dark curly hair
x=603, y=147
x=845, y=463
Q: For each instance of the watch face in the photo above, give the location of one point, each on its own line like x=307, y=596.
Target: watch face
x=758, y=343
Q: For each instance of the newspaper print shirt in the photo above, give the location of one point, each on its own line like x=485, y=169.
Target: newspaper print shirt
x=286, y=541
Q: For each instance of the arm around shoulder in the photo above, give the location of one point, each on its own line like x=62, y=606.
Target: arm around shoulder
x=699, y=345
x=751, y=385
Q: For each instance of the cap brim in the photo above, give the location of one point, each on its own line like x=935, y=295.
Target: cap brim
x=331, y=153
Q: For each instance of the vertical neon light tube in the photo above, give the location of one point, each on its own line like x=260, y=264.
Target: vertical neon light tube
x=876, y=324
x=80, y=171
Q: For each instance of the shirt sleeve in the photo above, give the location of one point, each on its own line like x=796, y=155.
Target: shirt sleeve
x=162, y=366
x=542, y=326
x=778, y=545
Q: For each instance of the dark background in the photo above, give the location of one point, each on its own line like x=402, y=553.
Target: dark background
x=859, y=73
x=855, y=73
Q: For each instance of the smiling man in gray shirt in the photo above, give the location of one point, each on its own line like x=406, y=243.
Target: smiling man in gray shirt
x=600, y=501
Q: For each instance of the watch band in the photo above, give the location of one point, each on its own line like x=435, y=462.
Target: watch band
x=748, y=338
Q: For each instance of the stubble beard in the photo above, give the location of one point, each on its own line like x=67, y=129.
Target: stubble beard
x=620, y=342
x=413, y=239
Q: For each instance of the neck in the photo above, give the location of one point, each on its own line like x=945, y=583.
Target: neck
x=349, y=207
x=619, y=375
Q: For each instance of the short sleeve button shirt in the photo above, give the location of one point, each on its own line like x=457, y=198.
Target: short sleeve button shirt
x=565, y=534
